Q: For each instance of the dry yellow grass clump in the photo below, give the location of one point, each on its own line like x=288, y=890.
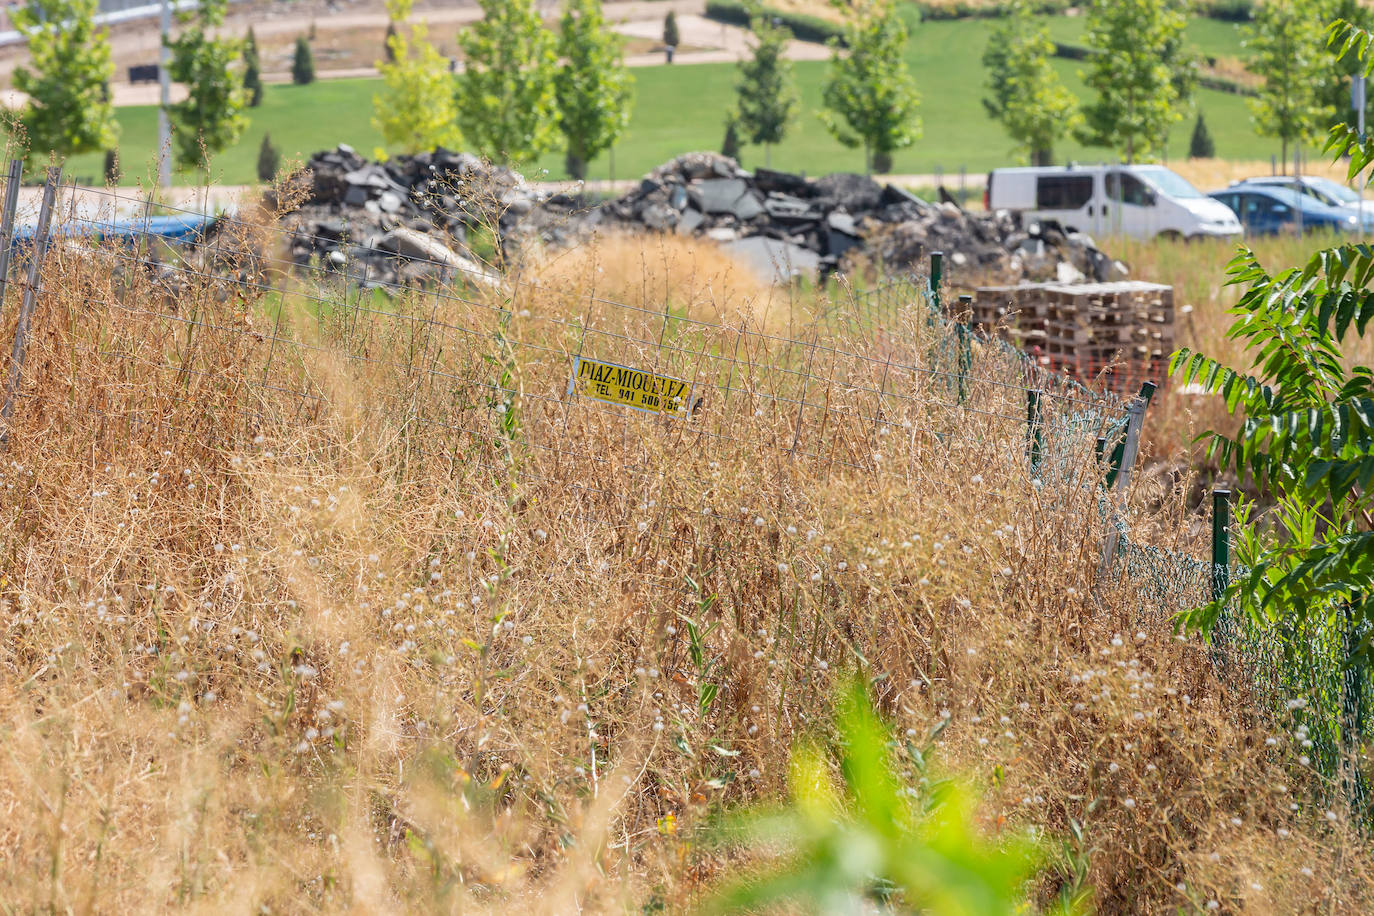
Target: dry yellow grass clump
x=1211, y=174
x=314, y=605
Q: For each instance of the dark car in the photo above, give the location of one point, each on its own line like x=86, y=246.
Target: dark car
x=1270, y=210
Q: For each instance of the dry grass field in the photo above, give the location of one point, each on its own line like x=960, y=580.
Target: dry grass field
x=314, y=604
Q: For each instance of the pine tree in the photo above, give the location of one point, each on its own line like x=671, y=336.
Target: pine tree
x=1201, y=145
x=252, y=69
x=870, y=97
x=671, y=36
x=1024, y=91
x=506, y=94
x=303, y=63
x=730, y=145
x=269, y=159
x=1135, y=74
x=592, y=85
x=69, y=109
x=1289, y=52
x=766, y=95
x=211, y=118
x=415, y=109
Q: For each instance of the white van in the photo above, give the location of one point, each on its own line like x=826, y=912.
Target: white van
x=1142, y=201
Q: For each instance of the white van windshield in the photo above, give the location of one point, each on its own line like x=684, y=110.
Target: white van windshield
x=1166, y=182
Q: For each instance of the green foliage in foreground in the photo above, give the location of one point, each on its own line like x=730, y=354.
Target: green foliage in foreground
x=1307, y=439
x=872, y=838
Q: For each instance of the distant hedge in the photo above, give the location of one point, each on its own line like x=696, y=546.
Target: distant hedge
x=1226, y=10
x=805, y=28
x=970, y=10
x=813, y=28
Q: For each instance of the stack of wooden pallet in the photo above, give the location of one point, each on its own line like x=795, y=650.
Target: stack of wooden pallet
x=1085, y=328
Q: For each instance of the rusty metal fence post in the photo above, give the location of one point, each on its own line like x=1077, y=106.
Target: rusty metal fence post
x=41, y=238
x=12, y=180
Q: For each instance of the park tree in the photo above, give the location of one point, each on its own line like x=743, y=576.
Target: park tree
x=387, y=51
x=1135, y=73
x=1200, y=145
x=1288, y=50
x=252, y=69
x=269, y=159
x=870, y=97
x=67, y=79
x=415, y=109
x=212, y=116
x=592, y=85
x=302, y=63
x=729, y=145
x=767, y=99
x=671, y=36
x=1024, y=91
x=506, y=92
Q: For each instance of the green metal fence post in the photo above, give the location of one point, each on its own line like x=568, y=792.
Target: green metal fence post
x=1035, y=436
x=964, y=328
x=1353, y=689
x=1147, y=393
x=937, y=268
x=1221, y=542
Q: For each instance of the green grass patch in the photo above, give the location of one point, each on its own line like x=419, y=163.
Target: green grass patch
x=682, y=108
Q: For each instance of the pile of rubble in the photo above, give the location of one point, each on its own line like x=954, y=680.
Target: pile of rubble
x=409, y=218
x=403, y=221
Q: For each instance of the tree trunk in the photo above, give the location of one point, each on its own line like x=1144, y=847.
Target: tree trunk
x=1042, y=157
x=1283, y=157
x=576, y=166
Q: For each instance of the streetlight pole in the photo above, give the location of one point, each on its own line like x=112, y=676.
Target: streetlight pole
x=164, y=127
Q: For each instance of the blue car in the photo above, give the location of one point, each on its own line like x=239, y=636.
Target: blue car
x=1270, y=210
x=1331, y=193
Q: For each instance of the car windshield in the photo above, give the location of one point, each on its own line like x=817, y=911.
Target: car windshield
x=1293, y=198
x=1338, y=192
x=1168, y=183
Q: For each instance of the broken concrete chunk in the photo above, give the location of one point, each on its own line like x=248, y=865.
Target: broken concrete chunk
x=719, y=195
x=775, y=261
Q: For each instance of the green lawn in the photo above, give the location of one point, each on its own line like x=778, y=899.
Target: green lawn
x=1211, y=37
x=682, y=108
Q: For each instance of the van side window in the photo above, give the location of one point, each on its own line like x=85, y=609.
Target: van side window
x=1128, y=189
x=1063, y=192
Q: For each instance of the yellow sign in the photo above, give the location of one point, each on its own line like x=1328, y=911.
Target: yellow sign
x=630, y=387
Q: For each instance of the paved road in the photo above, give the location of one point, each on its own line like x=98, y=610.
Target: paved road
x=139, y=42
x=718, y=43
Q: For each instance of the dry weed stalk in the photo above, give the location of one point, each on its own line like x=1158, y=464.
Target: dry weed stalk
x=349, y=607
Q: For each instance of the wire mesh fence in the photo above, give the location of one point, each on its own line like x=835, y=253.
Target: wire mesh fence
x=209, y=334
